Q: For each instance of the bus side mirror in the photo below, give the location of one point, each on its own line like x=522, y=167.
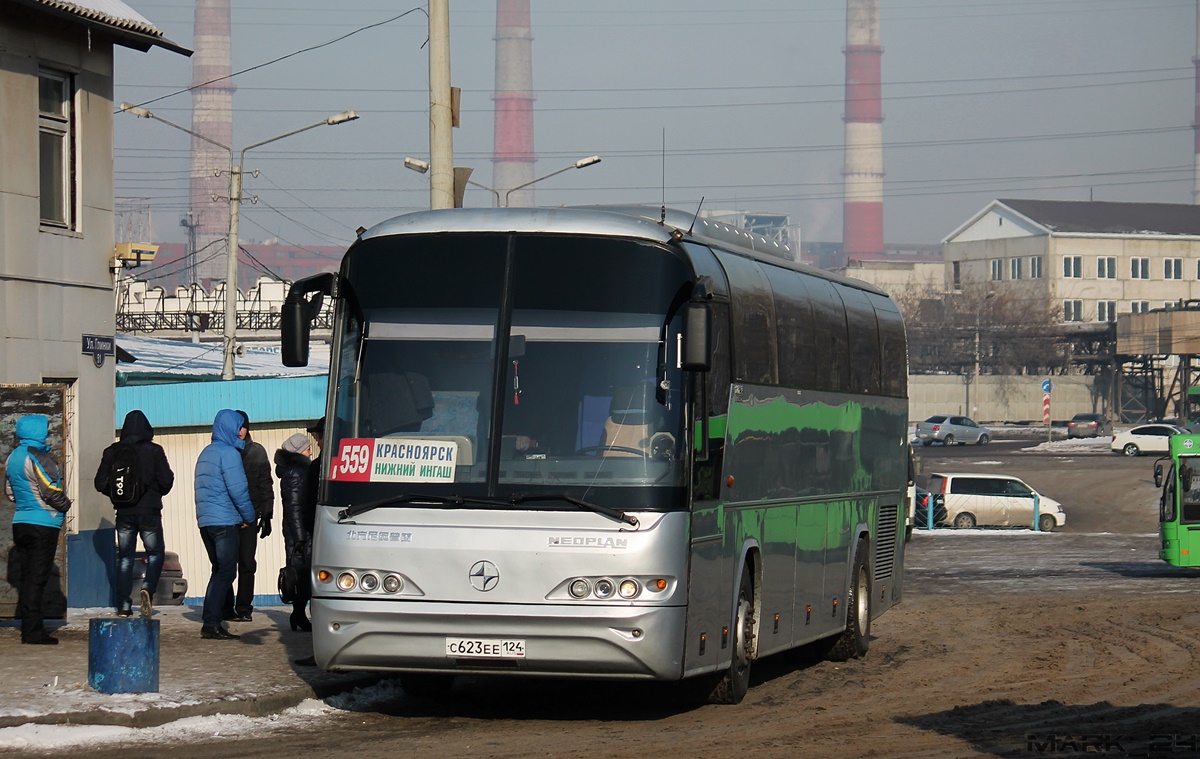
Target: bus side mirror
x=697, y=338
x=1158, y=475
x=297, y=314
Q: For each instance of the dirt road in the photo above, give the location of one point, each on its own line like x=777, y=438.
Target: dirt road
x=1008, y=643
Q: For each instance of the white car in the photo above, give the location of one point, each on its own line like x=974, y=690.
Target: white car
x=1145, y=438
x=999, y=500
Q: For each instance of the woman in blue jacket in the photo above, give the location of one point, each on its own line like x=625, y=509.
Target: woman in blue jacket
x=34, y=482
x=222, y=508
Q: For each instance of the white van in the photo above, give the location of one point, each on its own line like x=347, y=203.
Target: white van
x=994, y=500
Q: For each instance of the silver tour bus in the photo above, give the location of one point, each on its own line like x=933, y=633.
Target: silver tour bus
x=600, y=443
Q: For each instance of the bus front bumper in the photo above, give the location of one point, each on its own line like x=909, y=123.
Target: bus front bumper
x=630, y=642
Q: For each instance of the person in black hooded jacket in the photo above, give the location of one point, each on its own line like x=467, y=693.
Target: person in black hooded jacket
x=291, y=467
x=143, y=518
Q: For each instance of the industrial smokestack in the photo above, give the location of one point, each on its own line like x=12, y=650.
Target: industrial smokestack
x=212, y=116
x=862, y=210
x=513, y=156
x=1196, y=117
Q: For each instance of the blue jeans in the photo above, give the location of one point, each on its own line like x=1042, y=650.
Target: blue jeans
x=221, y=543
x=129, y=527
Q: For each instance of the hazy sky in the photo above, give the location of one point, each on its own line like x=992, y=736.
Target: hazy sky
x=1051, y=99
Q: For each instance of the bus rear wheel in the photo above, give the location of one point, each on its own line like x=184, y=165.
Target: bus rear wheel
x=856, y=638
x=734, y=683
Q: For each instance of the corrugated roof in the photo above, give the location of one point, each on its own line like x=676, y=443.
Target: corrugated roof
x=186, y=361
x=1092, y=217
x=195, y=404
x=117, y=16
x=111, y=12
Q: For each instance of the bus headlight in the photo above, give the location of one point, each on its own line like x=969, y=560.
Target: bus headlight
x=369, y=582
x=629, y=589
x=345, y=581
x=392, y=583
x=579, y=588
x=604, y=588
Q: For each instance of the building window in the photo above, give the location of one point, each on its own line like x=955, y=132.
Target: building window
x=1072, y=267
x=56, y=154
x=1106, y=267
x=1140, y=306
x=1172, y=268
x=997, y=269
x=1035, y=267
x=1014, y=268
x=1073, y=310
x=956, y=267
x=1106, y=311
x=1139, y=268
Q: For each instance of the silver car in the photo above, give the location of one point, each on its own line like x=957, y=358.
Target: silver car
x=948, y=430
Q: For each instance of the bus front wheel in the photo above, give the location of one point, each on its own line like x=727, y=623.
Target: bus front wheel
x=732, y=686
x=856, y=638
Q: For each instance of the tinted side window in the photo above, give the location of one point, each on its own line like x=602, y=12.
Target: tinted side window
x=893, y=346
x=863, y=332
x=829, y=326
x=964, y=486
x=754, y=346
x=794, y=322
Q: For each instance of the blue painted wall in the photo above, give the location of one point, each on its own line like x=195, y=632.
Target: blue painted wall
x=192, y=404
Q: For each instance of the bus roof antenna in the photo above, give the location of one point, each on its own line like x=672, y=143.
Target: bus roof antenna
x=663, y=217
x=697, y=216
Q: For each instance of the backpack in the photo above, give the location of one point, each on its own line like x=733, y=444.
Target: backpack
x=125, y=486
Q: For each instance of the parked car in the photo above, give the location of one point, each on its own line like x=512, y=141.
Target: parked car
x=923, y=500
x=1088, y=425
x=172, y=586
x=948, y=430
x=1145, y=438
x=972, y=500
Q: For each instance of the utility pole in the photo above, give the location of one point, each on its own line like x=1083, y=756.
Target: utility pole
x=441, y=118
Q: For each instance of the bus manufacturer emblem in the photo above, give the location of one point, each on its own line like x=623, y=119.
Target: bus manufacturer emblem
x=1187, y=443
x=484, y=576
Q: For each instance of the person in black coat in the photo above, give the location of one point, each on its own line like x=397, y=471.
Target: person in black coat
x=143, y=518
x=240, y=607
x=291, y=467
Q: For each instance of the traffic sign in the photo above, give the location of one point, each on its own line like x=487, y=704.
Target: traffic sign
x=1047, y=385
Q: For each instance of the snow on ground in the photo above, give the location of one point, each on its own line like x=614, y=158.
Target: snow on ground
x=51, y=738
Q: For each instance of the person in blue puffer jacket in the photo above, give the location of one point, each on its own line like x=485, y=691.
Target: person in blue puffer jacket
x=223, y=507
x=34, y=482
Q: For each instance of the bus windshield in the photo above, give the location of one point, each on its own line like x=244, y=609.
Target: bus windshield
x=474, y=365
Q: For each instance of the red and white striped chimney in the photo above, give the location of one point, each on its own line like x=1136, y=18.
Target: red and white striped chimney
x=513, y=156
x=1196, y=117
x=212, y=116
x=862, y=209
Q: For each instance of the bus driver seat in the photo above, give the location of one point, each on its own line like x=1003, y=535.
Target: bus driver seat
x=628, y=423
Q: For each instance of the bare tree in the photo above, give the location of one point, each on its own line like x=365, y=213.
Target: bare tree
x=999, y=327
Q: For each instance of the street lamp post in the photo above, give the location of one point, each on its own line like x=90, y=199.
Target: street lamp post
x=419, y=166
x=235, y=202
x=978, y=327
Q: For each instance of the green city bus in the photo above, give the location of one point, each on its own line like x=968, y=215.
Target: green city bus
x=1179, y=504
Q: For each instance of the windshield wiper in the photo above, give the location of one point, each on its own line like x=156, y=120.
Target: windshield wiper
x=620, y=516
x=405, y=498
